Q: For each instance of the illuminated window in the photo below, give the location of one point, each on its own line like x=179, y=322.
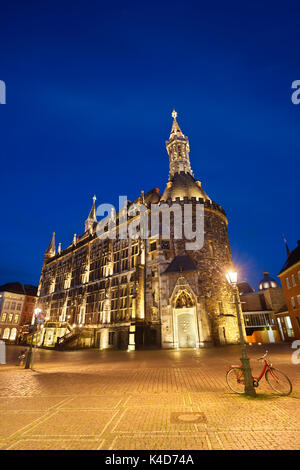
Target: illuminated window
x=134, y=249
x=16, y=318
x=13, y=334
x=211, y=248
x=6, y=333
x=10, y=317
x=227, y=251
x=3, y=317
x=111, y=338
x=288, y=323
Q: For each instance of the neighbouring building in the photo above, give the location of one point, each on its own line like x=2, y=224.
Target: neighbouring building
x=16, y=309
x=289, y=317
x=134, y=293
x=259, y=309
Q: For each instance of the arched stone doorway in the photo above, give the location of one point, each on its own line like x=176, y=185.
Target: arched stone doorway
x=185, y=322
x=186, y=330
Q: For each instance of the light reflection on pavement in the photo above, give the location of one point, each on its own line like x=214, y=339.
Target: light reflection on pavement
x=93, y=399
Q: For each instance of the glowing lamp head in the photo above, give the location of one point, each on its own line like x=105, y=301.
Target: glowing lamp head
x=231, y=277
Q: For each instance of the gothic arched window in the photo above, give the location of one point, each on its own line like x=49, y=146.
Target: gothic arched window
x=184, y=300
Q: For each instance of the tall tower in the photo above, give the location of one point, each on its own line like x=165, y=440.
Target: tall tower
x=181, y=177
x=178, y=149
x=196, y=300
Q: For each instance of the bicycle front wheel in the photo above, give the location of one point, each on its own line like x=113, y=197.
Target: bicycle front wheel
x=235, y=380
x=279, y=382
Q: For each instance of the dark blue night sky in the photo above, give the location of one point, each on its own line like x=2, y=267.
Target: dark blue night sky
x=90, y=90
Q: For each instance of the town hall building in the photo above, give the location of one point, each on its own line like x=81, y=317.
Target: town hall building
x=133, y=293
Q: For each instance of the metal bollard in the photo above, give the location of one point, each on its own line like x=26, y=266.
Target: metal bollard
x=2, y=352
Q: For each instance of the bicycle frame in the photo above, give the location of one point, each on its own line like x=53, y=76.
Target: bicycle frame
x=267, y=365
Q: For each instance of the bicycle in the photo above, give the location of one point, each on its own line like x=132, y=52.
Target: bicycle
x=277, y=380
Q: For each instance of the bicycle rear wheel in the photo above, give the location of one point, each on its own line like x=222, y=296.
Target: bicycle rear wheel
x=235, y=380
x=279, y=382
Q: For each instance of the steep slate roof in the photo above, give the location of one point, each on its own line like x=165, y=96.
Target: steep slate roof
x=245, y=288
x=181, y=264
x=51, y=247
x=183, y=184
x=293, y=258
x=30, y=290
x=175, y=128
x=92, y=214
x=17, y=288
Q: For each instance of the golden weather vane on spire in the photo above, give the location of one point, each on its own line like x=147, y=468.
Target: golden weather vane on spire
x=174, y=114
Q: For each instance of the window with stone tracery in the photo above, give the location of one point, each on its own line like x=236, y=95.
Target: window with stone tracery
x=184, y=300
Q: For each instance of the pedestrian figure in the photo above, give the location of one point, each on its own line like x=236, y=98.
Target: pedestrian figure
x=21, y=357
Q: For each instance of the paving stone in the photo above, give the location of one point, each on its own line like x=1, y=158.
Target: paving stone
x=12, y=422
x=115, y=400
x=70, y=423
x=55, y=445
x=162, y=443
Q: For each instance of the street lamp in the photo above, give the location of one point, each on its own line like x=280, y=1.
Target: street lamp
x=36, y=311
x=231, y=277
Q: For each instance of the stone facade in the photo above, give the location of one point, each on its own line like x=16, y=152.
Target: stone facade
x=17, y=304
x=135, y=293
x=289, y=321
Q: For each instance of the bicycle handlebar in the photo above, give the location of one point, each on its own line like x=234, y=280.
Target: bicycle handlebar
x=263, y=357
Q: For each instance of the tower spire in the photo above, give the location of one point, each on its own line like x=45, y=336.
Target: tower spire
x=181, y=182
x=178, y=149
x=92, y=219
x=286, y=246
x=51, y=250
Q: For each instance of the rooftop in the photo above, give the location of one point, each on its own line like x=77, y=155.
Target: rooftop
x=17, y=288
x=181, y=264
x=293, y=258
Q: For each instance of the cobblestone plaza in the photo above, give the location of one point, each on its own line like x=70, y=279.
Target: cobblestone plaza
x=156, y=400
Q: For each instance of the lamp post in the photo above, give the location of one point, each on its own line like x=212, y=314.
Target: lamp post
x=231, y=277
x=33, y=323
